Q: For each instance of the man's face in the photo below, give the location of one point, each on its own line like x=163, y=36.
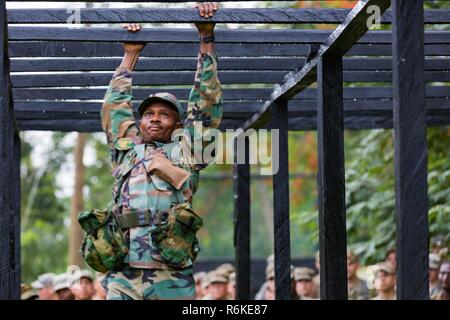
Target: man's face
x=158, y=122
x=352, y=268
x=444, y=276
x=304, y=288
x=384, y=281
x=218, y=290
x=84, y=290
x=46, y=293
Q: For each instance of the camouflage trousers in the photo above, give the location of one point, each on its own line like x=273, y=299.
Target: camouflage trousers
x=149, y=284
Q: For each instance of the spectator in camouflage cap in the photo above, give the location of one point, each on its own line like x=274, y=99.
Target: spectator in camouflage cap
x=199, y=278
x=83, y=285
x=61, y=285
x=27, y=292
x=384, y=281
x=44, y=286
x=434, y=265
x=304, y=285
x=444, y=277
x=232, y=286
x=357, y=288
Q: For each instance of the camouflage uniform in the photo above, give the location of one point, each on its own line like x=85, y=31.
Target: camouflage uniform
x=357, y=290
x=136, y=190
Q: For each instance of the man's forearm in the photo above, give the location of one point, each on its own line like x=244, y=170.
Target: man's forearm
x=207, y=47
x=130, y=59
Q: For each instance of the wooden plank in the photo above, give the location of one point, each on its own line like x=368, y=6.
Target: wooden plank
x=344, y=37
x=280, y=161
x=163, y=78
x=9, y=263
x=331, y=179
x=306, y=123
x=229, y=94
x=42, y=49
x=146, y=15
x=16, y=267
x=20, y=33
x=189, y=64
x=242, y=204
x=232, y=109
x=410, y=160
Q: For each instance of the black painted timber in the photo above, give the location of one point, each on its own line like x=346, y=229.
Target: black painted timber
x=9, y=262
x=242, y=204
x=42, y=49
x=331, y=184
x=20, y=33
x=410, y=160
x=16, y=267
x=189, y=64
x=339, y=42
x=281, y=202
x=229, y=94
x=304, y=123
x=185, y=15
x=165, y=78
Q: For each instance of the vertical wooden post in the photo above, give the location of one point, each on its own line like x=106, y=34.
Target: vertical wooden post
x=16, y=268
x=331, y=184
x=241, y=177
x=410, y=149
x=281, y=205
x=9, y=197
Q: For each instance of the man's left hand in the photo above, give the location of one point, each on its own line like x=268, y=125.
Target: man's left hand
x=206, y=10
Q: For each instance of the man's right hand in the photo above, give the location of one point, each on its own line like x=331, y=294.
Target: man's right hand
x=133, y=46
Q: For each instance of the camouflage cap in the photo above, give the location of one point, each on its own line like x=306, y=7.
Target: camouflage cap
x=232, y=277
x=27, y=293
x=45, y=280
x=384, y=266
x=303, y=273
x=62, y=281
x=82, y=274
x=161, y=97
x=216, y=277
x=225, y=268
x=434, y=260
x=199, y=276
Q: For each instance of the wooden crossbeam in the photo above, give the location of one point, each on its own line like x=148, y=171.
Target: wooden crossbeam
x=339, y=42
x=43, y=49
x=20, y=33
x=155, y=78
x=229, y=94
x=189, y=64
x=306, y=123
x=186, y=15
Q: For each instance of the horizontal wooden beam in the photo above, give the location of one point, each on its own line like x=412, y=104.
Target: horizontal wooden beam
x=190, y=64
x=19, y=33
x=146, y=15
x=338, y=43
x=295, y=124
x=228, y=93
x=187, y=78
x=232, y=110
x=42, y=49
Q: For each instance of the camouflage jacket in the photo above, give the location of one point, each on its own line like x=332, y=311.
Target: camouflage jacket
x=137, y=189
